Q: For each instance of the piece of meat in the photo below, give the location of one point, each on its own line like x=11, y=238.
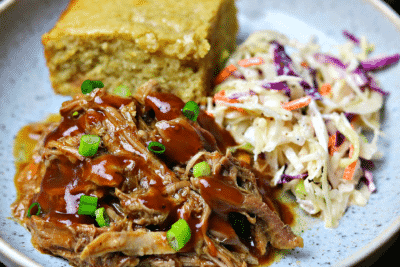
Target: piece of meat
x=281, y=235
x=249, y=200
x=132, y=243
x=260, y=238
x=138, y=211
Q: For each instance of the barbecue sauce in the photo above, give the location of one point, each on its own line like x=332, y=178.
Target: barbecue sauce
x=64, y=182
x=180, y=139
x=166, y=106
x=219, y=195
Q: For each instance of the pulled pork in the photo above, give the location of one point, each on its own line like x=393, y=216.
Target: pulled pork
x=231, y=223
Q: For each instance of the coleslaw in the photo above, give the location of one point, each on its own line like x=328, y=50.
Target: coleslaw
x=303, y=117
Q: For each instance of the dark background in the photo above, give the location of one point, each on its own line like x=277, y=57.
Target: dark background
x=390, y=251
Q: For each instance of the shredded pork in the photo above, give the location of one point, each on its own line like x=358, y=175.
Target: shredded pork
x=144, y=194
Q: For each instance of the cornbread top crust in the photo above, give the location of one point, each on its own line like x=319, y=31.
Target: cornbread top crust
x=176, y=28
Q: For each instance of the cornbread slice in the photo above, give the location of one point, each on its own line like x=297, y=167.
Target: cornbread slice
x=176, y=42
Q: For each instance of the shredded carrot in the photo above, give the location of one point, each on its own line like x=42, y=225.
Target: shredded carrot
x=221, y=98
x=251, y=61
x=332, y=144
x=349, y=171
x=351, y=151
x=304, y=64
x=296, y=104
x=326, y=89
x=225, y=73
x=209, y=114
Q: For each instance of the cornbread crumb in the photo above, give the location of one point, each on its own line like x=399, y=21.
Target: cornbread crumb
x=178, y=43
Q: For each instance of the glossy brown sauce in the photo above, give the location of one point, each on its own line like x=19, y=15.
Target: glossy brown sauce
x=218, y=224
x=154, y=199
x=166, y=106
x=218, y=194
x=180, y=139
x=223, y=137
x=64, y=182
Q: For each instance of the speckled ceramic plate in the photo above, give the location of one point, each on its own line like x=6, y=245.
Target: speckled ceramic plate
x=5, y=3
x=26, y=96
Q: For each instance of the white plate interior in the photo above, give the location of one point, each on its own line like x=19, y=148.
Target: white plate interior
x=26, y=96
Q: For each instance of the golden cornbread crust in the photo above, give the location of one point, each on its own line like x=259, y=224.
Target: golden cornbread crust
x=176, y=42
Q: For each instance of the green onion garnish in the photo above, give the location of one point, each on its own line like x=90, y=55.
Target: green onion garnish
x=245, y=146
x=87, y=205
x=102, y=218
x=191, y=110
x=97, y=84
x=179, y=234
x=89, y=145
x=29, y=210
x=201, y=169
x=75, y=114
x=156, y=147
x=300, y=189
x=88, y=86
x=123, y=91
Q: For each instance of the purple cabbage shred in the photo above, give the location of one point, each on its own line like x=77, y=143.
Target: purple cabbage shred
x=351, y=37
x=283, y=63
x=363, y=79
x=324, y=58
x=241, y=94
x=280, y=86
x=285, y=178
x=374, y=87
x=367, y=164
x=381, y=62
x=311, y=91
x=350, y=116
x=238, y=75
x=339, y=139
x=284, y=66
x=369, y=180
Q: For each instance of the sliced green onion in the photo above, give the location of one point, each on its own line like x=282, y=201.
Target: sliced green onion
x=102, y=218
x=246, y=146
x=88, y=86
x=97, y=84
x=87, y=205
x=75, y=113
x=191, y=110
x=201, y=169
x=179, y=234
x=300, y=189
x=123, y=91
x=29, y=210
x=89, y=145
x=156, y=147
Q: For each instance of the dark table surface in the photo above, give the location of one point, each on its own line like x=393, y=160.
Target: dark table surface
x=390, y=251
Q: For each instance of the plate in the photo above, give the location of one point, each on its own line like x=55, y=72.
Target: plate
x=26, y=96
x=5, y=3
